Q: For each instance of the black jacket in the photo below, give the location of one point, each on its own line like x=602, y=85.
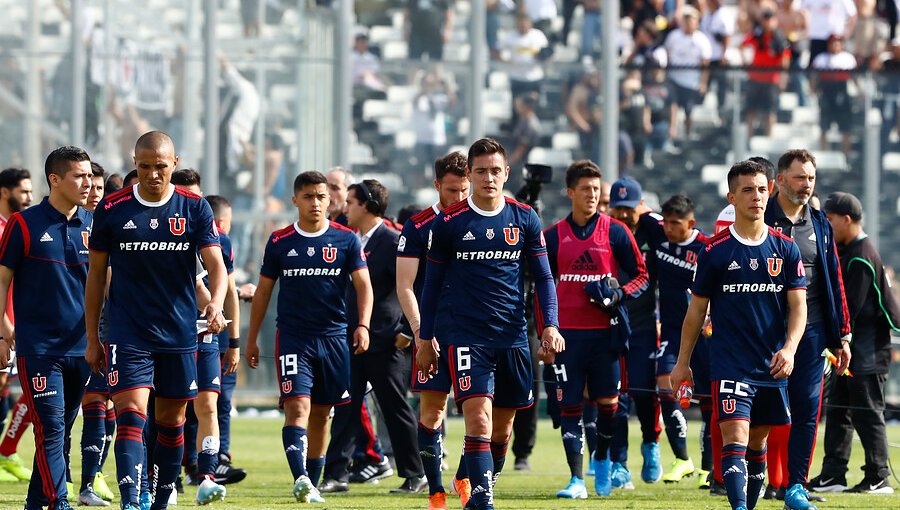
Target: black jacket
x=381, y=257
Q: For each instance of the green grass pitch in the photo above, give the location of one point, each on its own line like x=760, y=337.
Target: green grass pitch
x=257, y=447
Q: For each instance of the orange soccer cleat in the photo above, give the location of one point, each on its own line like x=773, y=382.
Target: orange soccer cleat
x=437, y=501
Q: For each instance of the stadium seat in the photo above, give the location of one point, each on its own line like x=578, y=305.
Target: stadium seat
x=565, y=141
x=454, y=52
x=830, y=160
x=380, y=34
x=401, y=93
x=768, y=146
x=390, y=125
x=361, y=154
x=394, y=50
x=552, y=157
x=805, y=115
x=498, y=80
x=405, y=139
x=788, y=101
x=890, y=162
x=714, y=173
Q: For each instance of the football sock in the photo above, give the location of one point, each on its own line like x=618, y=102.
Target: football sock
x=430, y=450
x=4, y=407
x=110, y=433
x=461, y=471
x=676, y=426
x=295, y=444
x=17, y=427
x=191, y=426
x=167, y=455
x=647, y=407
x=734, y=469
x=498, y=455
x=589, y=420
x=93, y=434
x=480, y=467
x=208, y=458
x=618, y=445
x=573, y=444
x=706, y=462
x=129, y=449
x=314, y=467
x=606, y=428
x=756, y=475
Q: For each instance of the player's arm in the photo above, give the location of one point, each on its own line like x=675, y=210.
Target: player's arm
x=365, y=298
x=258, y=309
x=218, y=286
x=232, y=313
x=7, y=332
x=782, y=363
x=94, y=292
x=407, y=270
x=544, y=289
x=202, y=293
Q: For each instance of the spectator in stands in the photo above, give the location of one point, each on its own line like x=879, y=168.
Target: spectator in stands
x=527, y=133
x=428, y=25
x=835, y=66
x=869, y=34
x=719, y=31
x=429, y=121
x=542, y=13
x=634, y=124
x=827, y=18
x=568, y=12
x=687, y=47
x=365, y=66
x=665, y=14
x=583, y=112
x=769, y=49
x=591, y=29
x=240, y=109
x=250, y=17
x=526, y=47
x=889, y=103
x=792, y=21
x=648, y=53
x=649, y=59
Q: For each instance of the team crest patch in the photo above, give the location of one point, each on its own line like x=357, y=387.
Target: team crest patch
x=754, y=264
x=690, y=257
x=421, y=376
x=623, y=193
x=113, y=377
x=773, y=264
x=729, y=405
x=310, y=251
x=177, y=225
x=489, y=234
x=286, y=386
x=511, y=235
x=85, y=235
x=559, y=394
x=329, y=254
x=465, y=383
x=401, y=244
x=39, y=383
x=154, y=223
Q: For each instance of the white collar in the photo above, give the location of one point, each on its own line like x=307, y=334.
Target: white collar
x=368, y=234
x=690, y=239
x=748, y=242
x=162, y=202
x=435, y=208
x=482, y=212
x=310, y=234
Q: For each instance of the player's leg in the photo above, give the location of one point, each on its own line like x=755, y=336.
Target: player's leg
x=93, y=437
x=643, y=348
x=569, y=370
x=603, y=376
x=805, y=391
x=756, y=463
x=676, y=425
x=618, y=446
x=733, y=401
x=838, y=439
x=226, y=473
x=700, y=365
x=513, y=391
x=76, y=372
x=206, y=437
x=770, y=411
x=294, y=358
x=18, y=425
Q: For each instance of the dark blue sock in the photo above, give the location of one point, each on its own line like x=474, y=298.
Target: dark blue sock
x=4, y=409
x=498, y=455
x=461, y=472
x=92, y=438
x=676, y=425
x=191, y=425
x=589, y=420
x=208, y=457
x=618, y=446
x=314, y=466
x=167, y=455
x=573, y=443
x=110, y=434
x=295, y=445
x=734, y=470
x=606, y=429
x=430, y=450
x=756, y=475
x=130, y=453
x=480, y=467
x=706, y=463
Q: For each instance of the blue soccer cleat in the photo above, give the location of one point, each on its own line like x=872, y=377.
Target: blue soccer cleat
x=602, y=482
x=620, y=477
x=146, y=501
x=209, y=491
x=305, y=492
x=796, y=498
x=575, y=489
x=651, y=471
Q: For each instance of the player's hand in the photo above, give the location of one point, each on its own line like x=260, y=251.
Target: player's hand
x=427, y=355
x=681, y=374
x=246, y=292
x=547, y=356
x=842, y=354
x=782, y=364
x=252, y=355
x=95, y=356
x=552, y=340
x=5, y=353
x=360, y=340
x=402, y=341
x=231, y=360
x=215, y=320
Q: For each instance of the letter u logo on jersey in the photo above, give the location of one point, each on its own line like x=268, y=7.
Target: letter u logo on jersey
x=329, y=254
x=39, y=383
x=177, y=226
x=729, y=405
x=511, y=234
x=690, y=257
x=286, y=386
x=774, y=266
x=113, y=377
x=465, y=383
x=421, y=376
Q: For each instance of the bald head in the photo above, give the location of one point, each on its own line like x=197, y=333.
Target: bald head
x=155, y=141
x=154, y=160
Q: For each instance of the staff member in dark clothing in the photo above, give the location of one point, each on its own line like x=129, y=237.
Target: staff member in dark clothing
x=384, y=365
x=858, y=401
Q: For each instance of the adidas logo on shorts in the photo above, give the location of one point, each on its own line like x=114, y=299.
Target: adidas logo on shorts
x=346, y=394
x=193, y=385
x=216, y=380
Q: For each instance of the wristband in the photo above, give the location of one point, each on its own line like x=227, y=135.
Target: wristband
x=234, y=343
x=364, y=327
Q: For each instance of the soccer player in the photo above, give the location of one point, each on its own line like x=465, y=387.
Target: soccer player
x=827, y=321
x=314, y=258
x=627, y=205
x=46, y=246
x=475, y=272
x=752, y=279
x=98, y=184
x=676, y=261
x=452, y=187
x=588, y=246
x=149, y=235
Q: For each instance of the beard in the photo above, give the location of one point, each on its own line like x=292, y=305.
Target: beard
x=15, y=205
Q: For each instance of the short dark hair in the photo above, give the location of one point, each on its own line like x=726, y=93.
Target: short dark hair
x=679, y=205
x=743, y=168
x=12, y=176
x=485, y=147
x=113, y=183
x=767, y=165
x=372, y=194
x=186, y=177
x=311, y=177
x=581, y=169
x=802, y=155
x=97, y=170
x=217, y=203
x=58, y=161
x=407, y=213
x=453, y=163
x=130, y=176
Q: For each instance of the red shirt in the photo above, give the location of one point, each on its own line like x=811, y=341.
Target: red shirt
x=9, y=298
x=764, y=56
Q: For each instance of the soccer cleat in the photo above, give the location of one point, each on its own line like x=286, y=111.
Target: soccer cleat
x=173, y=498
x=602, y=482
x=796, y=498
x=873, y=486
x=463, y=489
x=90, y=498
x=522, y=464
x=146, y=501
x=62, y=505
x=101, y=488
x=371, y=472
x=824, y=483
x=620, y=477
x=14, y=466
x=331, y=485
x=132, y=506
x=305, y=492
x=717, y=489
x=7, y=477
x=703, y=476
x=437, y=501
x=575, y=489
x=678, y=470
x=226, y=473
x=412, y=485
x=770, y=492
x=209, y=491
x=651, y=471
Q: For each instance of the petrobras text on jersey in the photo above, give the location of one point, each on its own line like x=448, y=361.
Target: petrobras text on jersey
x=665, y=257
x=312, y=271
x=154, y=246
x=752, y=287
x=568, y=277
x=489, y=255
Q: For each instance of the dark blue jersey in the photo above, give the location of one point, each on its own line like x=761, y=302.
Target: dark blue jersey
x=413, y=242
x=228, y=257
x=642, y=309
x=747, y=283
x=48, y=255
x=675, y=266
x=152, y=249
x=314, y=270
x=476, y=263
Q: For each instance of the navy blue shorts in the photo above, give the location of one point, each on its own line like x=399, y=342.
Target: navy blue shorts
x=170, y=375
x=667, y=354
x=209, y=369
x=97, y=384
x=760, y=405
x=641, y=360
x=317, y=368
x=502, y=374
x=700, y=362
x=439, y=382
x=588, y=362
